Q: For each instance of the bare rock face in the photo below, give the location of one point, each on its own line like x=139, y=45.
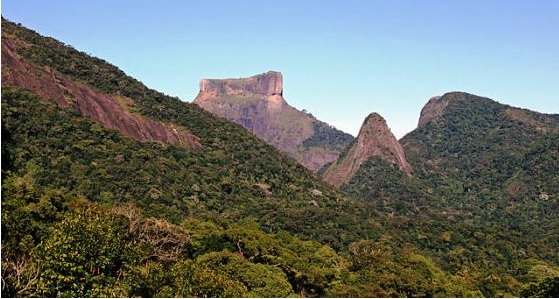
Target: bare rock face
x=374, y=140
x=433, y=109
x=436, y=105
x=267, y=84
x=107, y=109
x=257, y=104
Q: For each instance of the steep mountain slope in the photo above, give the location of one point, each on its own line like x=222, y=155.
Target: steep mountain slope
x=225, y=168
x=257, y=104
x=374, y=140
x=110, y=110
x=56, y=242
x=484, y=189
x=484, y=147
x=166, y=220
x=71, y=178
x=226, y=216
x=494, y=166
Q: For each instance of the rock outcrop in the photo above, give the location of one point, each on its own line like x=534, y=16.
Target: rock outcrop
x=433, y=109
x=374, y=140
x=257, y=104
x=267, y=84
x=109, y=110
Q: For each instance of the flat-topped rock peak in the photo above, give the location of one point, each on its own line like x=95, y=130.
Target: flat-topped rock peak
x=267, y=84
x=257, y=104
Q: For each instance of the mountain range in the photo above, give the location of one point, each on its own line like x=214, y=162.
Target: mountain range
x=113, y=189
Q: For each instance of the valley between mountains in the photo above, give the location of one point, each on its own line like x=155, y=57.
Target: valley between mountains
x=113, y=189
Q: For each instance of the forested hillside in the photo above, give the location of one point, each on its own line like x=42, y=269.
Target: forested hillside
x=485, y=189
x=87, y=211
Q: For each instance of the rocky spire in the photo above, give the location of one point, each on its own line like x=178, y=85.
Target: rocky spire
x=374, y=140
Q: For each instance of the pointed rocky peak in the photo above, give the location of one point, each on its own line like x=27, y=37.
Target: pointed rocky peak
x=374, y=140
x=266, y=84
x=373, y=122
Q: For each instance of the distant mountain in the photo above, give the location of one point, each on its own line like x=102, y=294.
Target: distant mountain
x=374, y=140
x=222, y=164
x=464, y=145
x=494, y=168
x=257, y=104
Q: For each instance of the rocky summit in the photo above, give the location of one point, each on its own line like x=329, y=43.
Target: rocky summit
x=257, y=103
x=267, y=84
x=374, y=140
x=433, y=109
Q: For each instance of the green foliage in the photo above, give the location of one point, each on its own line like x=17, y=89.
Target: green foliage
x=327, y=136
x=94, y=251
x=87, y=212
x=381, y=270
x=81, y=256
x=227, y=274
x=548, y=288
x=120, y=252
x=310, y=267
x=482, y=145
x=99, y=164
x=390, y=189
x=485, y=182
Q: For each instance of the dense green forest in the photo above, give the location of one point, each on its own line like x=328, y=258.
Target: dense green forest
x=88, y=212
x=484, y=194
x=326, y=135
x=71, y=230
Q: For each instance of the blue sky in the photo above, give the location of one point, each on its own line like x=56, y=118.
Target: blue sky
x=341, y=60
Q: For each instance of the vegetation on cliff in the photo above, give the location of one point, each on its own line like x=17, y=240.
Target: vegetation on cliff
x=257, y=104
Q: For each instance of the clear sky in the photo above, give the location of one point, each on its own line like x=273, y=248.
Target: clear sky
x=340, y=59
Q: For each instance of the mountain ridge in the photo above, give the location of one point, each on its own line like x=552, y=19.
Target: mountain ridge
x=104, y=108
x=471, y=125
x=224, y=145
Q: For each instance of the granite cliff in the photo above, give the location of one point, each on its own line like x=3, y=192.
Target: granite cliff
x=433, y=109
x=267, y=84
x=257, y=104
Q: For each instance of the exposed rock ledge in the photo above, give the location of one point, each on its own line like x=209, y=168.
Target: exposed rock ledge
x=91, y=103
x=267, y=84
x=257, y=104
